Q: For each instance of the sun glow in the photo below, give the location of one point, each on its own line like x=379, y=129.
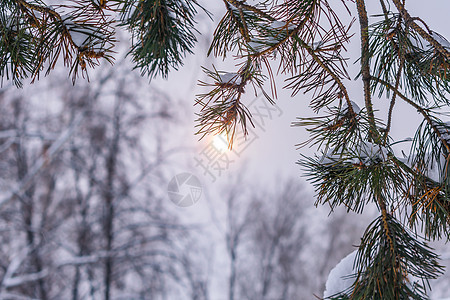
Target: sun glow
x=220, y=142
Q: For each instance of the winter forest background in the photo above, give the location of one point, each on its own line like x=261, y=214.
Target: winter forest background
x=84, y=208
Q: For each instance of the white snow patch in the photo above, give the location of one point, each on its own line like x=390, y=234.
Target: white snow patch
x=83, y=35
x=419, y=42
x=340, y=277
x=424, y=44
x=277, y=25
x=316, y=45
x=277, y=31
x=329, y=157
x=371, y=151
x=441, y=40
x=256, y=45
x=355, y=107
x=333, y=156
x=435, y=168
x=366, y=152
x=434, y=172
x=261, y=44
x=233, y=78
x=444, y=129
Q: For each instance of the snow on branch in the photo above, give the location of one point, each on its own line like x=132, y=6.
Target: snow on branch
x=340, y=278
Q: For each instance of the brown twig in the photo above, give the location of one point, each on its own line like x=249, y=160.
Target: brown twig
x=404, y=13
x=242, y=4
x=365, y=68
x=392, y=104
x=417, y=107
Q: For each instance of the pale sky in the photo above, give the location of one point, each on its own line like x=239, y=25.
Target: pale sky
x=272, y=157
x=273, y=153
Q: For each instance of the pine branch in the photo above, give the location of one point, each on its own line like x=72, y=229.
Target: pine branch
x=290, y=33
x=417, y=107
x=402, y=10
x=385, y=219
x=398, y=272
x=392, y=104
x=80, y=37
x=163, y=32
x=338, y=81
x=423, y=71
x=365, y=71
x=243, y=5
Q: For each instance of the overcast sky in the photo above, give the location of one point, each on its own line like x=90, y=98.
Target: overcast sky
x=271, y=157
x=273, y=153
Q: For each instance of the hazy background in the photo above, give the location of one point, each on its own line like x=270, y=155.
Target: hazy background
x=258, y=203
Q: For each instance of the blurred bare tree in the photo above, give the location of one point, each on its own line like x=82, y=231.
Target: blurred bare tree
x=277, y=241
x=268, y=240
x=83, y=214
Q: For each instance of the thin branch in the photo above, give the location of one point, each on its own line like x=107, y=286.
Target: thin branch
x=383, y=7
x=52, y=13
x=391, y=106
x=41, y=9
x=288, y=36
x=404, y=13
x=365, y=68
x=242, y=4
x=244, y=29
x=331, y=73
x=385, y=216
x=417, y=107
